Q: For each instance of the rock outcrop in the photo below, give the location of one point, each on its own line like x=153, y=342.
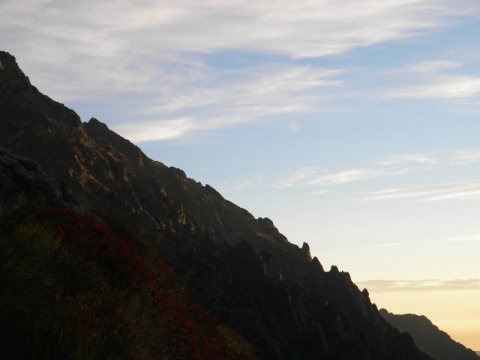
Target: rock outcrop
x=22, y=181
x=429, y=338
x=239, y=268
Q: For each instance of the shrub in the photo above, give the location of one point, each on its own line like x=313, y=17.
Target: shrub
x=76, y=289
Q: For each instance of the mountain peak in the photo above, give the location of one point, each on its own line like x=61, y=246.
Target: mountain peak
x=239, y=268
x=97, y=123
x=12, y=77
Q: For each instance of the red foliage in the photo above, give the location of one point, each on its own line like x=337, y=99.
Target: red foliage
x=189, y=328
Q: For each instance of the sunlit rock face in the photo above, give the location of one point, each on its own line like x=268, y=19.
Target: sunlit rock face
x=238, y=267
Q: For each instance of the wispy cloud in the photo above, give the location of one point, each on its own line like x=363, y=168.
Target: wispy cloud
x=453, y=238
x=302, y=29
x=449, y=87
x=266, y=89
x=461, y=190
x=456, y=190
x=464, y=238
x=435, y=80
x=90, y=50
x=420, y=285
x=320, y=192
x=390, y=166
x=406, y=159
x=430, y=66
x=323, y=177
x=157, y=130
x=465, y=157
x=219, y=103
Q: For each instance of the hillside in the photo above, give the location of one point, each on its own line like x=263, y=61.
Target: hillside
x=240, y=269
x=77, y=289
x=429, y=337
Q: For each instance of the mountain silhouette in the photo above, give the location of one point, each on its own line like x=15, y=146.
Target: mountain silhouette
x=429, y=337
x=239, y=268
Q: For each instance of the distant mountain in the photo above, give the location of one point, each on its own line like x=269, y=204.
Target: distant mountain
x=239, y=268
x=429, y=338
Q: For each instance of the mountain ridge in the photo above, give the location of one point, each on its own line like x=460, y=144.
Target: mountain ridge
x=239, y=268
x=429, y=337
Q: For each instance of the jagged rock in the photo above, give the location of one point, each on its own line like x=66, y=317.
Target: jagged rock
x=429, y=337
x=22, y=180
x=240, y=268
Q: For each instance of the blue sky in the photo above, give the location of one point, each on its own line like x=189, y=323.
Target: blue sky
x=352, y=125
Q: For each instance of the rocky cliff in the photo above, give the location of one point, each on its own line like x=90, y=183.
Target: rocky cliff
x=239, y=268
x=22, y=179
x=429, y=337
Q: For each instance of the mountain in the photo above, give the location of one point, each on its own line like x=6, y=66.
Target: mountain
x=239, y=268
x=429, y=337
x=76, y=287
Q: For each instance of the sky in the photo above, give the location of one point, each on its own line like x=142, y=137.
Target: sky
x=353, y=125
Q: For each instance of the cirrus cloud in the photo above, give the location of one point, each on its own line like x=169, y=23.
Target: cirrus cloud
x=159, y=52
x=88, y=42
x=421, y=285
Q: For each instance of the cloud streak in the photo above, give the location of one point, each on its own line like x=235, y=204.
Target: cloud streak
x=466, y=157
x=387, y=167
x=408, y=159
x=435, y=80
x=220, y=103
x=377, y=286
x=461, y=190
x=447, y=87
x=304, y=29
x=324, y=179
x=299, y=30
x=459, y=238
x=92, y=51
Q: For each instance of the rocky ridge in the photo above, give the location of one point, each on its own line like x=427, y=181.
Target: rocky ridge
x=238, y=267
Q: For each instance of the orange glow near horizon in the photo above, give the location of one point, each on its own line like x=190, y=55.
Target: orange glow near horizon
x=455, y=312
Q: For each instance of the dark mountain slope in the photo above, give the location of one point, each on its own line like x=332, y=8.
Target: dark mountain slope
x=238, y=267
x=74, y=287
x=429, y=337
x=22, y=179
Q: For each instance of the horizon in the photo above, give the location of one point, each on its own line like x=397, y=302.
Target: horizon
x=354, y=128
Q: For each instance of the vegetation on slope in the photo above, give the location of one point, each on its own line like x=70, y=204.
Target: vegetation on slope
x=75, y=288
